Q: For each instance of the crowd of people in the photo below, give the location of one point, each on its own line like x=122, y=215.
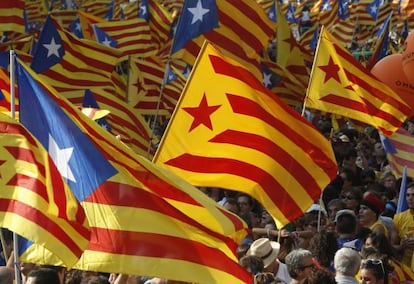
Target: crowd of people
x=352, y=235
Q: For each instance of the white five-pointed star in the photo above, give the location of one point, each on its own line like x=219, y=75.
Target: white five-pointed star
x=374, y=9
x=61, y=158
x=143, y=9
x=52, y=48
x=106, y=42
x=266, y=79
x=289, y=15
x=198, y=12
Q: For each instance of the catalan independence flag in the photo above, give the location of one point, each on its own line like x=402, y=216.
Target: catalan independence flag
x=339, y=84
x=35, y=201
x=11, y=16
x=400, y=151
x=144, y=220
x=234, y=133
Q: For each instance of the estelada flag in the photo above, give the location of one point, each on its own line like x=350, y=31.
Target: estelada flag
x=340, y=84
x=229, y=131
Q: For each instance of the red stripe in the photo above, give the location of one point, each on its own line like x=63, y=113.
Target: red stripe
x=247, y=107
x=223, y=67
x=30, y=183
x=404, y=162
x=271, y=149
x=360, y=107
x=159, y=246
x=117, y=194
x=402, y=145
x=39, y=218
x=15, y=128
x=377, y=92
x=26, y=155
x=10, y=4
x=270, y=185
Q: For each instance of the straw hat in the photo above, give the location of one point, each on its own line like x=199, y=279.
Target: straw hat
x=265, y=249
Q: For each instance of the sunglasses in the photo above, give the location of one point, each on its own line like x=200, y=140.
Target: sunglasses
x=303, y=267
x=375, y=262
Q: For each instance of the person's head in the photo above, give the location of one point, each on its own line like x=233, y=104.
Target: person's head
x=299, y=264
x=334, y=206
x=320, y=276
x=346, y=222
x=323, y=246
x=379, y=242
x=352, y=197
x=370, y=208
x=265, y=249
x=43, y=276
x=372, y=272
x=252, y=263
x=232, y=205
x=388, y=180
x=409, y=196
x=245, y=202
x=349, y=156
x=368, y=177
x=347, y=262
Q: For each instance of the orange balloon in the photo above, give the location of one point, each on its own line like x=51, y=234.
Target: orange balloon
x=389, y=71
x=408, y=57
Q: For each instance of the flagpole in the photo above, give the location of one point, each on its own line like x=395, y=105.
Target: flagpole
x=17, y=278
x=313, y=68
x=401, y=195
x=164, y=81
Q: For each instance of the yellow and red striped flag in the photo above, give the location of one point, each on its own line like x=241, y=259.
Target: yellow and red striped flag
x=144, y=220
x=340, y=84
x=11, y=16
x=35, y=201
x=399, y=148
x=234, y=133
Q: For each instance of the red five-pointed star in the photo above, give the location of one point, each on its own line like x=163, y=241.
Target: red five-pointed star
x=331, y=71
x=201, y=114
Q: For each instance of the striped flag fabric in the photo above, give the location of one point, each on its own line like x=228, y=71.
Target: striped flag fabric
x=5, y=93
x=146, y=78
x=144, y=220
x=235, y=134
x=11, y=16
x=239, y=28
x=340, y=84
x=400, y=151
x=35, y=201
x=131, y=37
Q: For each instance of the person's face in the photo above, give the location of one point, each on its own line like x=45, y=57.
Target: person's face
x=349, y=162
x=350, y=200
x=367, y=277
x=307, y=268
x=366, y=215
x=410, y=198
x=232, y=207
x=389, y=182
x=332, y=210
x=244, y=204
x=368, y=243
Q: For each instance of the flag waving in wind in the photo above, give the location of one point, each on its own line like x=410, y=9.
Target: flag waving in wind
x=235, y=134
x=340, y=84
x=144, y=220
x=35, y=202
